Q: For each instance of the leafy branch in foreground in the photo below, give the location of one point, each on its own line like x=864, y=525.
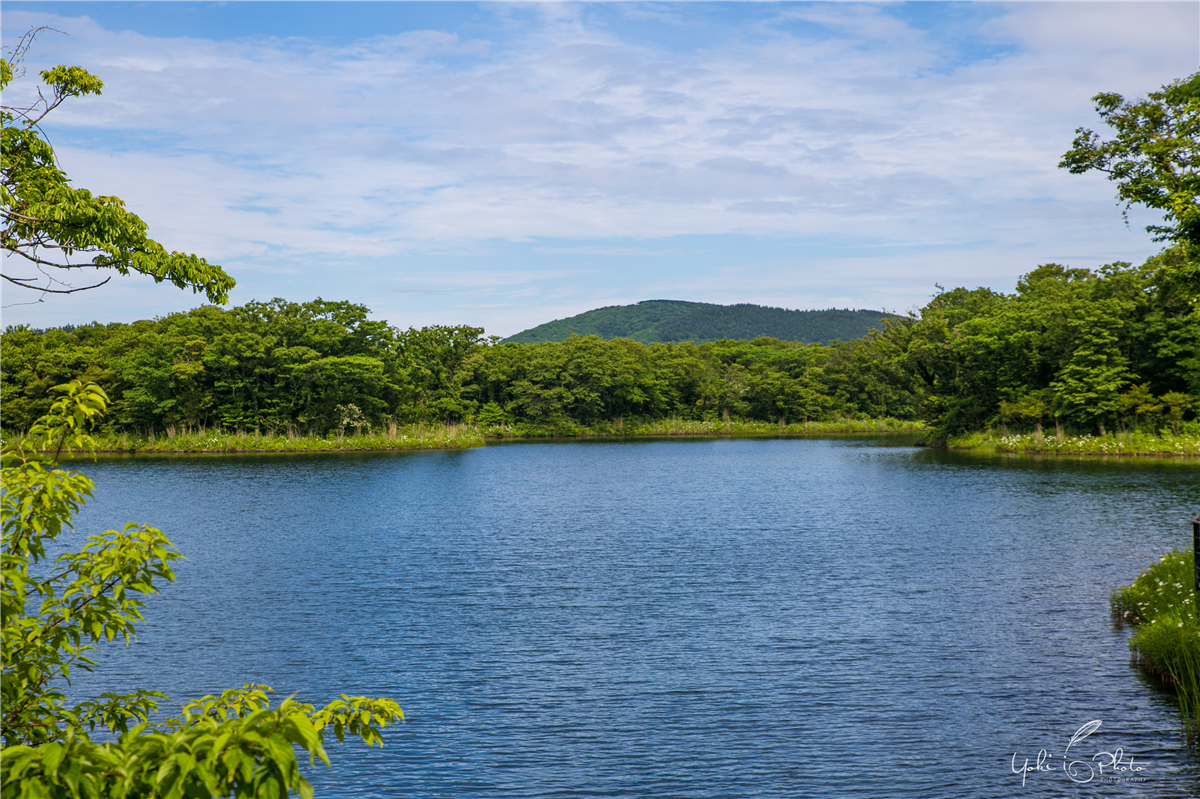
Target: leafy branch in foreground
x=234, y=744
x=51, y=227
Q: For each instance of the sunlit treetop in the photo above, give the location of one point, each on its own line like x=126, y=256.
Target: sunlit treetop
x=1154, y=157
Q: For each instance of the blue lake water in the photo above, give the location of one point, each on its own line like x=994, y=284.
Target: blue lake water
x=718, y=618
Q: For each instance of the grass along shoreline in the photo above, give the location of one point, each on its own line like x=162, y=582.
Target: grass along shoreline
x=1128, y=444
x=672, y=426
x=464, y=436
x=1161, y=605
x=469, y=435
x=222, y=441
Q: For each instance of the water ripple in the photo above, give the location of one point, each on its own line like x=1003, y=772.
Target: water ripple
x=782, y=618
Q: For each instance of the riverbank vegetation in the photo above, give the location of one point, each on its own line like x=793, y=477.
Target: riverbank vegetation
x=417, y=436
x=1124, y=443
x=462, y=435
x=675, y=426
x=323, y=368
x=1161, y=603
x=1100, y=362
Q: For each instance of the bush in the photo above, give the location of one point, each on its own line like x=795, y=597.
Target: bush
x=1161, y=602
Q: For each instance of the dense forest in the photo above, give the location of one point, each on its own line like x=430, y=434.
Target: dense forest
x=653, y=321
x=1115, y=348
x=1074, y=349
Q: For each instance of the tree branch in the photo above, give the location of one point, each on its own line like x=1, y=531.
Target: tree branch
x=19, y=281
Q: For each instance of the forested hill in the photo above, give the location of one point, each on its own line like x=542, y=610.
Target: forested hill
x=674, y=320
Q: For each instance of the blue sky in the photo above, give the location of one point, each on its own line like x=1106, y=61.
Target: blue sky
x=503, y=165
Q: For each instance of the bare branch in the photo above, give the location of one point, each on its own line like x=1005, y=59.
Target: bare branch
x=31, y=302
x=43, y=262
x=20, y=282
x=22, y=47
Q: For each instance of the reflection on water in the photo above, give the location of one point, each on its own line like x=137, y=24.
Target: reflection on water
x=717, y=618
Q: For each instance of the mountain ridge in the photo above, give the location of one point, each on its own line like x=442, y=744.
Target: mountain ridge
x=651, y=321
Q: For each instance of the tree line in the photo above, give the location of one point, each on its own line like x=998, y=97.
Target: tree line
x=319, y=366
x=1088, y=351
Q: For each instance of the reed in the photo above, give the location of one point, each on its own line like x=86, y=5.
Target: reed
x=626, y=427
x=1162, y=605
x=450, y=436
x=457, y=436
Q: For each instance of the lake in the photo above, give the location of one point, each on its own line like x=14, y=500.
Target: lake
x=834, y=617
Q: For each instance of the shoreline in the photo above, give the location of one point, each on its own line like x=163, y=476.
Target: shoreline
x=458, y=437
x=1075, y=453
x=464, y=436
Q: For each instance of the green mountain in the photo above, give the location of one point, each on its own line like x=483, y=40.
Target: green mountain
x=675, y=320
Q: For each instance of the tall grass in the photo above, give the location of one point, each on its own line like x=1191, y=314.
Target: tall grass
x=682, y=427
x=1128, y=443
x=459, y=436
x=674, y=426
x=452, y=436
x=1162, y=604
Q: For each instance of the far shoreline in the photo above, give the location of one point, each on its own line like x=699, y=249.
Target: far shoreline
x=465, y=437
x=1121, y=444
x=326, y=446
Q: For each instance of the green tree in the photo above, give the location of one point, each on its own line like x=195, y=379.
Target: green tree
x=1176, y=405
x=1154, y=158
x=1089, y=385
x=1138, y=402
x=51, y=228
x=1028, y=409
x=435, y=361
x=1065, y=347
x=52, y=616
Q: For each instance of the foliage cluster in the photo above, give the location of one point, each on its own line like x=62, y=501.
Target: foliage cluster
x=54, y=613
x=1153, y=158
x=1075, y=349
x=319, y=366
x=586, y=380
x=653, y=321
x=1161, y=602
